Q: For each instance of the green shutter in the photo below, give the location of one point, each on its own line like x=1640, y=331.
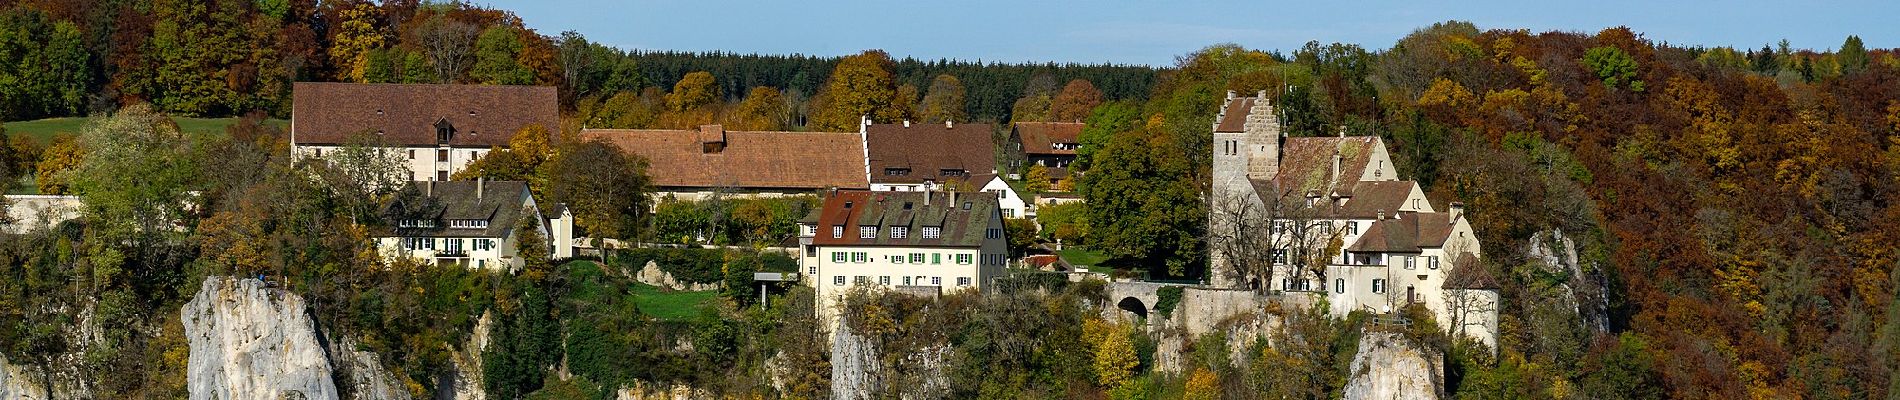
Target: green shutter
x=936, y=258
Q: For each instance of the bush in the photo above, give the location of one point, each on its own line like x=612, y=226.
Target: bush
x=693, y=265
x=1166, y=298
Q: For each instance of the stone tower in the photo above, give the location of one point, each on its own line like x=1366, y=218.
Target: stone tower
x=1262, y=130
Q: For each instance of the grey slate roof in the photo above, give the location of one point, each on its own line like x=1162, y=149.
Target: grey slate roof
x=963, y=221
x=500, y=203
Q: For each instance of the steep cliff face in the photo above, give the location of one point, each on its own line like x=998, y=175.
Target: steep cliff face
x=252, y=342
x=15, y=383
x=1388, y=367
x=653, y=275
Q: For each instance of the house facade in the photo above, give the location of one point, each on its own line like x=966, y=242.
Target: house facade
x=470, y=223
x=908, y=157
x=1328, y=216
x=1048, y=144
x=928, y=243
x=434, y=131
x=693, y=164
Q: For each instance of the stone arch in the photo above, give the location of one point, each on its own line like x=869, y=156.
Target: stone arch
x=1133, y=305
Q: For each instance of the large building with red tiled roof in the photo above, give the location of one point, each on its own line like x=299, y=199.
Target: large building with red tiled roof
x=434, y=130
x=695, y=163
x=1330, y=217
x=1049, y=144
x=927, y=243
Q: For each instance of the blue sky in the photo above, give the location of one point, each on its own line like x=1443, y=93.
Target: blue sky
x=1154, y=32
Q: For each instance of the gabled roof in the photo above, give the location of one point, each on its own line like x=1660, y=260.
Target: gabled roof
x=1368, y=198
x=1406, y=232
x=747, y=159
x=1039, y=138
x=500, y=203
x=963, y=221
x=1307, y=162
x=406, y=114
x=928, y=149
x=1233, y=117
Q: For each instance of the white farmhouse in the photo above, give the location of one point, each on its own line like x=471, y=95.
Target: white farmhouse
x=433, y=130
x=470, y=223
x=927, y=243
x=1329, y=217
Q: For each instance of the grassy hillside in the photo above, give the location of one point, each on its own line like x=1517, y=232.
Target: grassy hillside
x=44, y=129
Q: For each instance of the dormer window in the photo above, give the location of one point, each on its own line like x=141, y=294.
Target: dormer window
x=837, y=231
x=952, y=172
x=443, y=131
x=933, y=232
x=867, y=232
x=900, y=232
x=896, y=171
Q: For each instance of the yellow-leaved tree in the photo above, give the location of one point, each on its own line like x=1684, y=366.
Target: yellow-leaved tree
x=1115, y=359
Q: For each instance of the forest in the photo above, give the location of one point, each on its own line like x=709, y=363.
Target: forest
x=1734, y=209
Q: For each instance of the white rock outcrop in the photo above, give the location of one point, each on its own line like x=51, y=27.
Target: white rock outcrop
x=252, y=342
x=1389, y=367
x=651, y=274
x=16, y=384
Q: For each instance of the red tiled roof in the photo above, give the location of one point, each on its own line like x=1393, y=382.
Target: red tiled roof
x=1040, y=137
x=1307, y=162
x=405, y=114
x=1233, y=117
x=758, y=160
x=927, y=150
x=1371, y=197
x=1405, y=233
x=962, y=226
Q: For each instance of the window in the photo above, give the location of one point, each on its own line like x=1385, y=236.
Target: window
x=811, y=251
x=933, y=232
x=936, y=281
x=952, y=172
x=1352, y=227
x=963, y=281
x=860, y=257
x=993, y=233
x=884, y=280
x=319, y=152
x=837, y=256
x=900, y=232
x=1008, y=213
x=808, y=230
x=897, y=259
x=860, y=279
x=813, y=270
x=867, y=232
x=896, y=171
x=963, y=259
x=442, y=155
x=1378, y=286
x=906, y=281
x=412, y=154
x=1411, y=262
x=916, y=258
x=1279, y=256
x=1339, y=286
x=837, y=280
x=452, y=245
x=837, y=231
x=936, y=258
x=441, y=176
x=1431, y=262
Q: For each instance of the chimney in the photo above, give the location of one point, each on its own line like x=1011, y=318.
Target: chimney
x=1230, y=95
x=953, y=199
x=1381, y=214
x=478, y=188
x=1262, y=94
x=907, y=123
x=1457, y=211
x=1342, y=130
x=429, y=190
x=1337, y=159
x=948, y=124
x=928, y=191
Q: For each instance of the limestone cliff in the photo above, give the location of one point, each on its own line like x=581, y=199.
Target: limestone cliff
x=1389, y=367
x=651, y=274
x=252, y=342
x=16, y=384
